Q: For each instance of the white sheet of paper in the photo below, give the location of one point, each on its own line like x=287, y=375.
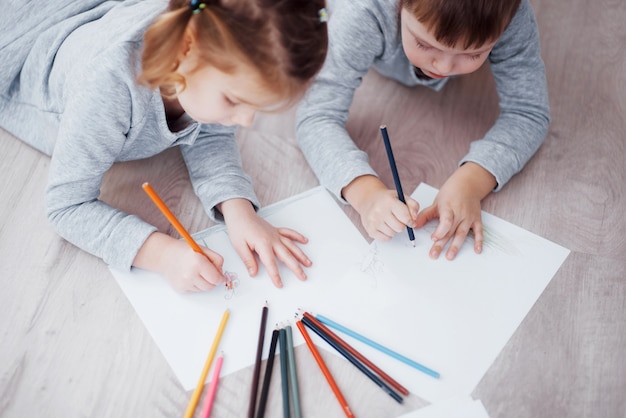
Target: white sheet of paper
x=451, y=316
x=184, y=325
x=461, y=407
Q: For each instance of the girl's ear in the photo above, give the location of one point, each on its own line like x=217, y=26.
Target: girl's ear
x=188, y=42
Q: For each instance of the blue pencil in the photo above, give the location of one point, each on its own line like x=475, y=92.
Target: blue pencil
x=377, y=346
x=396, y=176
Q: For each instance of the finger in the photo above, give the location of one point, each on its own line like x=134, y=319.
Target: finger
x=210, y=274
x=290, y=261
x=459, y=237
x=215, y=258
x=379, y=236
x=268, y=259
x=203, y=285
x=426, y=215
x=248, y=259
x=437, y=248
x=401, y=218
x=293, y=235
x=445, y=228
x=414, y=208
x=386, y=232
x=477, y=227
x=296, y=252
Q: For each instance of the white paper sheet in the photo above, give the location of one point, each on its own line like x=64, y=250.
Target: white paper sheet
x=461, y=407
x=184, y=325
x=451, y=316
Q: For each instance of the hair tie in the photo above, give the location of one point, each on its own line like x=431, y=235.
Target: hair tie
x=323, y=15
x=196, y=6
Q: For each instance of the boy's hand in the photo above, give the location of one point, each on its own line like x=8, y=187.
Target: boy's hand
x=249, y=234
x=185, y=269
x=383, y=215
x=457, y=205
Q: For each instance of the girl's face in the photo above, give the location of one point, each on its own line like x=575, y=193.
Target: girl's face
x=434, y=59
x=212, y=96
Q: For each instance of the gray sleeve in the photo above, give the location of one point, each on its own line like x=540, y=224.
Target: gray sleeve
x=524, y=116
x=215, y=169
x=355, y=41
x=91, y=135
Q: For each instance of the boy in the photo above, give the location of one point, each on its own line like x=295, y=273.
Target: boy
x=424, y=42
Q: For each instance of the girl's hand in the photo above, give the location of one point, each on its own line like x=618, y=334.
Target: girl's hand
x=185, y=269
x=383, y=215
x=457, y=205
x=251, y=234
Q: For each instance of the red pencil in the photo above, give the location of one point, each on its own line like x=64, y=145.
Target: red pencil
x=356, y=354
x=325, y=371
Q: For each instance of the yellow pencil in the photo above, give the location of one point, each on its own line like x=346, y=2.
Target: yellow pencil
x=207, y=365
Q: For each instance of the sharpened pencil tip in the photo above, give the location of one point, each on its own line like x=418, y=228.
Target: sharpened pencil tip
x=413, y=243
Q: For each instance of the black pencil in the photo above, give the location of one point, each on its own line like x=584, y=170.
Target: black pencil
x=257, y=364
x=268, y=375
x=306, y=321
x=396, y=177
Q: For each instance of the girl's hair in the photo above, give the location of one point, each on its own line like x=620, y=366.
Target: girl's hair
x=285, y=41
x=464, y=23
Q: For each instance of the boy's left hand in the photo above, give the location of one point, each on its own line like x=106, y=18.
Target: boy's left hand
x=249, y=234
x=457, y=205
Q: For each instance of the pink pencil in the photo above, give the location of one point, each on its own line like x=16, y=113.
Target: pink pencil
x=210, y=393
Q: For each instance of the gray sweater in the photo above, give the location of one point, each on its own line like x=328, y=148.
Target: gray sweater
x=364, y=34
x=67, y=87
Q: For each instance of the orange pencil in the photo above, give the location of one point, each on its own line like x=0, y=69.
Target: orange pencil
x=327, y=375
x=170, y=217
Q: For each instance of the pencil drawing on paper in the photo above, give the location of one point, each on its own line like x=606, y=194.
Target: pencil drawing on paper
x=491, y=239
x=371, y=264
x=230, y=284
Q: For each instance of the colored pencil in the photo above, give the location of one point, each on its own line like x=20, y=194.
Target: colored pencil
x=293, y=375
x=358, y=355
x=210, y=393
x=207, y=365
x=268, y=375
x=377, y=346
x=396, y=177
x=367, y=372
x=329, y=377
x=257, y=363
x=171, y=217
x=284, y=374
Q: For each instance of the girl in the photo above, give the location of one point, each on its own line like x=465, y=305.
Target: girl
x=424, y=42
x=95, y=82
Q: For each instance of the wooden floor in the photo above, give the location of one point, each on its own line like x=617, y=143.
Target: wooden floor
x=71, y=345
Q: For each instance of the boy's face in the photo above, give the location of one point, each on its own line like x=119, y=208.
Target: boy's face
x=434, y=59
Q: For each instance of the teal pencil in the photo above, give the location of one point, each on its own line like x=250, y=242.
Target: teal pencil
x=377, y=346
x=282, y=344
x=293, y=375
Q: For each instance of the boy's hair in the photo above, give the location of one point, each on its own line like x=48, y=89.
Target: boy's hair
x=283, y=40
x=463, y=23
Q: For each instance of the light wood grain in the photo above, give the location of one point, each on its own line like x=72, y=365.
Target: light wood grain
x=73, y=346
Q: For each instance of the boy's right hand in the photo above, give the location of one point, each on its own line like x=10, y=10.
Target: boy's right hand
x=383, y=215
x=185, y=269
